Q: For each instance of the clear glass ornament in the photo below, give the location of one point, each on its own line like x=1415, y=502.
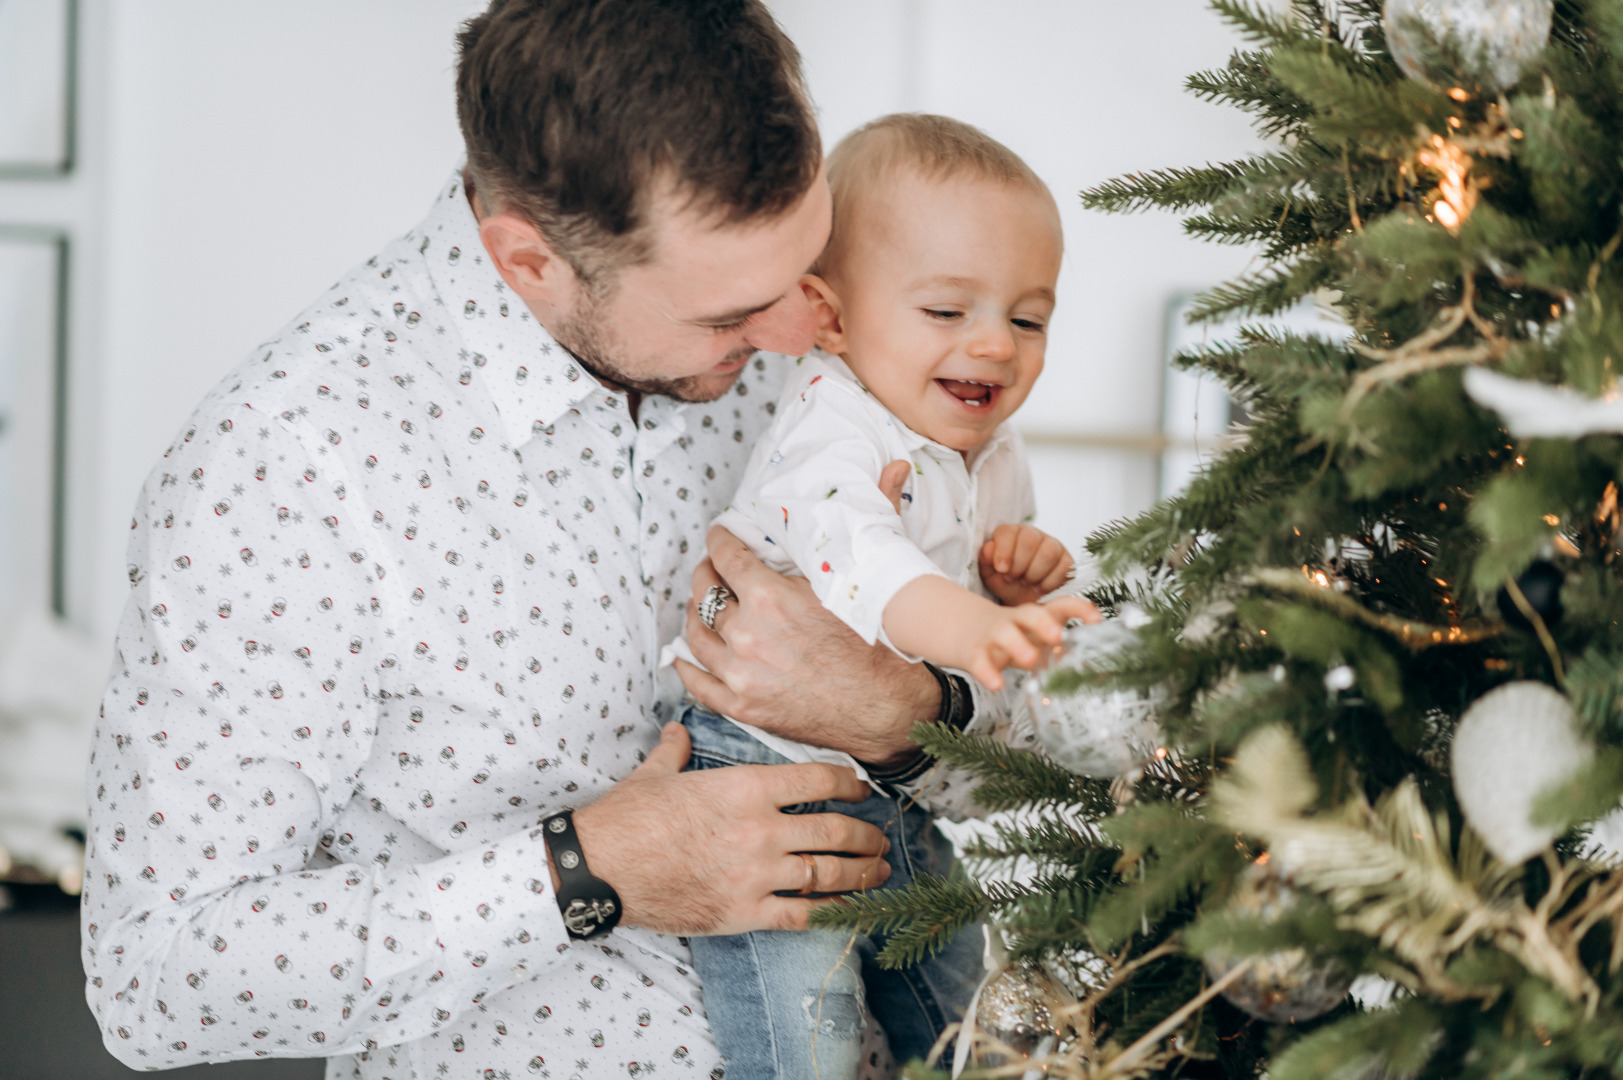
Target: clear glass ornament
x=1281, y=987
x=1103, y=733
x=1017, y=1011
x=1497, y=39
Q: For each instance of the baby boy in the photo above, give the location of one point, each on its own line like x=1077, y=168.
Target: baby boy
x=933, y=301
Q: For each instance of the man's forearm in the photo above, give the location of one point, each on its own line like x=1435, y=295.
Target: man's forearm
x=955, y=708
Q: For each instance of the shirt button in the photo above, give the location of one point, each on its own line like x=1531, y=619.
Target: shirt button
x=519, y=973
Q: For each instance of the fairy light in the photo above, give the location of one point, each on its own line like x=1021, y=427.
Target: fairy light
x=1455, y=195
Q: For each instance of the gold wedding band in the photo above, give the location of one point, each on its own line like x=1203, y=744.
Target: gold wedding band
x=811, y=874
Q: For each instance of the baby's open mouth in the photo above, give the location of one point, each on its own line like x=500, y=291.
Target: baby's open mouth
x=976, y=395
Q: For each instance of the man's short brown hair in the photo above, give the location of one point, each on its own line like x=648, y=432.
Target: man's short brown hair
x=573, y=112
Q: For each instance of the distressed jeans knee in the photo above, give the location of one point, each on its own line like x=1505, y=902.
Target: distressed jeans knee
x=839, y=1016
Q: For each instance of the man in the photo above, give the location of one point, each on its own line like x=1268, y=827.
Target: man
x=400, y=587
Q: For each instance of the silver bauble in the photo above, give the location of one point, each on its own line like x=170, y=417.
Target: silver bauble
x=1103, y=733
x=1280, y=987
x=1511, y=745
x=1019, y=1007
x=1496, y=39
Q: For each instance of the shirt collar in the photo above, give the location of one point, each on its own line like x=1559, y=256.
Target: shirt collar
x=531, y=379
x=912, y=439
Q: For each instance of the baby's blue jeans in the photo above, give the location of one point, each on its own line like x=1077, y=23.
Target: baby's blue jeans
x=786, y=1005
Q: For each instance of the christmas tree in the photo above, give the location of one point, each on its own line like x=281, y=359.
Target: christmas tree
x=1376, y=643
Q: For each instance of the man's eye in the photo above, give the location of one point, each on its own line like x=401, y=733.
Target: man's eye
x=943, y=314
x=727, y=328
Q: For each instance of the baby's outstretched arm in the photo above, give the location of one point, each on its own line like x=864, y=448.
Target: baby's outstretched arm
x=1021, y=565
x=949, y=625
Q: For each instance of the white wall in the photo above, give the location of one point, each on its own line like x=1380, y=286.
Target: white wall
x=238, y=157
x=255, y=152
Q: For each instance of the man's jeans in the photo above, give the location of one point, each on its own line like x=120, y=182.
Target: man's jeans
x=791, y=1004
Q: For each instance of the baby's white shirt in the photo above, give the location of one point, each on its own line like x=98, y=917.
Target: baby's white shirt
x=809, y=504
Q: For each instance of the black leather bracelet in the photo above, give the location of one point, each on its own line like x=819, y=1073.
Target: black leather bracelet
x=956, y=710
x=590, y=906
x=957, y=700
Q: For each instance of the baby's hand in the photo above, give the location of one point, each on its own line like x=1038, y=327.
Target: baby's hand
x=1021, y=565
x=1021, y=636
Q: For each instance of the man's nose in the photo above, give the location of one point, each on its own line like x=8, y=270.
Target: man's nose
x=788, y=327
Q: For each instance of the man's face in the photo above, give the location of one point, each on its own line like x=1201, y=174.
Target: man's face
x=685, y=322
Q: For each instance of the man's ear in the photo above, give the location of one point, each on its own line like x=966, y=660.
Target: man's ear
x=526, y=262
x=826, y=309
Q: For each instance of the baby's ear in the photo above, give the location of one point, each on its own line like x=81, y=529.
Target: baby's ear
x=825, y=303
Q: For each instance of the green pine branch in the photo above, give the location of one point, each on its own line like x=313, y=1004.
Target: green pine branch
x=1247, y=84
x=1168, y=856
x=1165, y=189
x=1259, y=24
x=1049, y=839
x=1267, y=292
x=919, y=920
x=1010, y=778
x=1396, y=1041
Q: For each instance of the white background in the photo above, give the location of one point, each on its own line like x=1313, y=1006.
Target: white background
x=237, y=157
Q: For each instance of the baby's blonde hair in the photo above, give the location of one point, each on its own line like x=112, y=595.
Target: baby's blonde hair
x=935, y=147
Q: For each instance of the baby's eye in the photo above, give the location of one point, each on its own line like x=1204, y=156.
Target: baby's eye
x=944, y=314
x=1028, y=324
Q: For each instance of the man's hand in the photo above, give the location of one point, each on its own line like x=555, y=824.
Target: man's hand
x=1021, y=565
x=781, y=661
x=703, y=852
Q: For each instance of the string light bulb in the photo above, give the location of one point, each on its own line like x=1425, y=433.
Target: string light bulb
x=1456, y=195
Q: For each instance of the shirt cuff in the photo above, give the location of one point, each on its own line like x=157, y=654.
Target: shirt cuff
x=491, y=911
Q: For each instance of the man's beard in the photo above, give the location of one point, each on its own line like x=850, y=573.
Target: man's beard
x=585, y=337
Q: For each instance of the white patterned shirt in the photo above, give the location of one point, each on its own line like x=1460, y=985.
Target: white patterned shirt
x=810, y=504
x=399, y=589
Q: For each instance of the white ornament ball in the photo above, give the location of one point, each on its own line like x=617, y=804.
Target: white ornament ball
x=1512, y=745
x=1104, y=733
x=1497, y=39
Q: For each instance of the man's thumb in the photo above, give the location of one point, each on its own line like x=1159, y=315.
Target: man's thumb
x=671, y=755
x=893, y=479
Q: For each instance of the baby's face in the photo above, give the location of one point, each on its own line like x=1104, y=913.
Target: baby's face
x=946, y=290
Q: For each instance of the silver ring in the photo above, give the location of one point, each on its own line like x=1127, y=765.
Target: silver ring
x=715, y=598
